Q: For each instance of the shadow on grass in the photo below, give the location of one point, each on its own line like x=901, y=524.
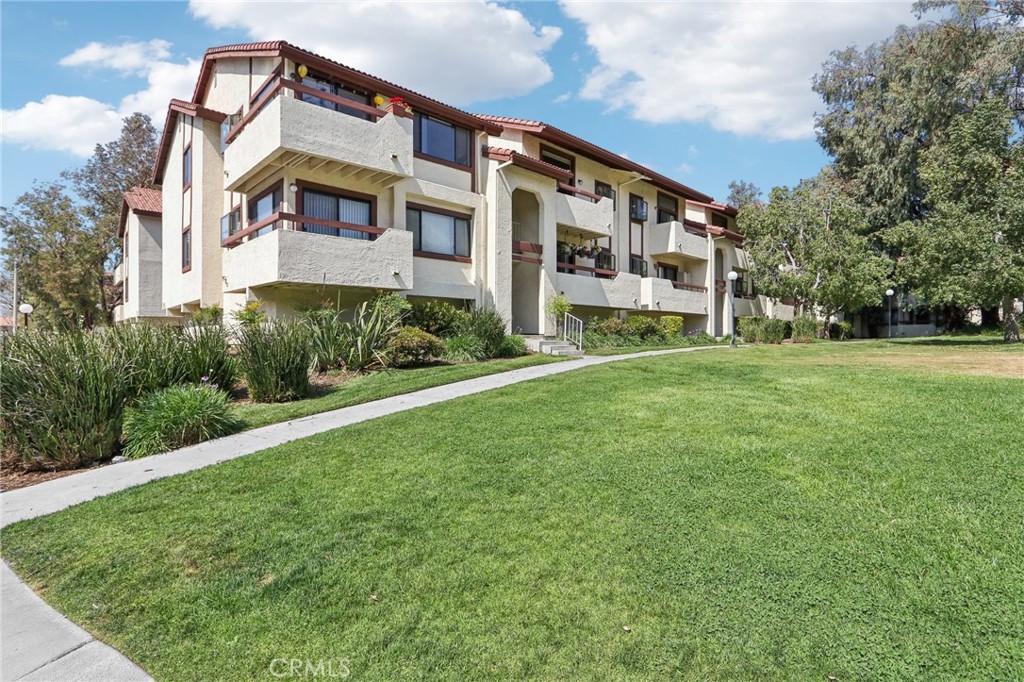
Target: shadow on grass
x=955, y=341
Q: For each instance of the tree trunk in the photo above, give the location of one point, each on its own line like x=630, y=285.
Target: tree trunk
x=1011, y=325
x=955, y=318
x=990, y=316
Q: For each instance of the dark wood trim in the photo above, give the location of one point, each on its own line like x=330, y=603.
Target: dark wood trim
x=526, y=162
x=276, y=73
x=526, y=259
x=249, y=229
x=442, y=162
x=585, y=268
x=372, y=111
x=657, y=207
x=595, y=198
x=527, y=247
x=303, y=219
x=442, y=256
x=254, y=110
x=303, y=185
x=262, y=193
x=191, y=165
x=689, y=287
x=186, y=230
x=441, y=211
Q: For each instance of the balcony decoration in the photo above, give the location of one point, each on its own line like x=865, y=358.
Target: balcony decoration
x=399, y=107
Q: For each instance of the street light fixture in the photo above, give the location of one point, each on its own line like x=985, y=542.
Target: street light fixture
x=888, y=322
x=26, y=309
x=733, y=276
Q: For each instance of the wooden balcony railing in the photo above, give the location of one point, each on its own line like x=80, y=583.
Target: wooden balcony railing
x=566, y=188
x=688, y=287
x=573, y=269
x=298, y=223
x=279, y=83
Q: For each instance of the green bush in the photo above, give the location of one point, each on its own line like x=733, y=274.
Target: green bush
x=840, y=331
x=275, y=358
x=773, y=331
x=486, y=325
x=439, y=318
x=512, y=346
x=62, y=398
x=392, y=307
x=751, y=329
x=643, y=327
x=205, y=353
x=805, y=329
x=251, y=313
x=412, y=347
x=671, y=325
x=464, y=348
x=609, y=326
x=702, y=338
x=364, y=341
x=327, y=337
x=212, y=314
x=175, y=417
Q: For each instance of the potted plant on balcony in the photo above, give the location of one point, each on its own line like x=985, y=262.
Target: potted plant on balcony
x=399, y=107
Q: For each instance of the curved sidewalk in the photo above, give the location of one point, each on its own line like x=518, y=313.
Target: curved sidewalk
x=41, y=644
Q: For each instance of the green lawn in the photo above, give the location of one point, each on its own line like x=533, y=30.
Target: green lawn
x=376, y=385
x=787, y=512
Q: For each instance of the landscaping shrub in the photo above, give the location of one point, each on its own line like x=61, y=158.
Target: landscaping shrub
x=204, y=351
x=701, y=338
x=327, y=337
x=558, y=306
x=671, y=325
x=175, y=417
x=609, y=326
x=773, y=331
x=62, y=398
x=464, y=348
x=364, y=341
x=805, y=329
x=275, y=358
x=439, y=318
x=751, y=329
x=252, y=313
x=486, y=325
x=212, y=314
x=392, y=307
x=643, y=327
x=840, y=331
x=512, y=346
x=412, y=347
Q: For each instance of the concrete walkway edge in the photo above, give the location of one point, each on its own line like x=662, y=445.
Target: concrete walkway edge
x=39, y=643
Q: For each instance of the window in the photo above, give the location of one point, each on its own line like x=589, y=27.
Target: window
x=668, y=208
x=225, y=128
x=231, y=223
x=339, y=208
x=186, y=167
x=668, y=272
x=605, y=190
x=124, y=268
x=441, y=233
x=560, y=160
x=637, y=266
x=637, y=208
x=719, y=220
x=262, y=206
x=337, y=89
x=441, y=140
x=186, y=249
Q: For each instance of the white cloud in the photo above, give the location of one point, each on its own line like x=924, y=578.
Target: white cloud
x=563, y=98
x=77, y=124
x=743, y=67
x=686, y=169
x=692, y=151
x=125, y=57
x=457, y=52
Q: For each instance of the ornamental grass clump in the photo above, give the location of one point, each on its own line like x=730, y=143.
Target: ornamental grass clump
x=63, y=398
x=174, y=417
x=487, y=326
x=275, y=359
x=805, y=329
x=464, y=348
x=364, y=341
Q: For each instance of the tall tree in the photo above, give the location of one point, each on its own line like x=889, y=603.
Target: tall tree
x=807, y=244
x=59, y=260
x=114, y=168
x=969, y=250
x=886, y=105
x=743, y=194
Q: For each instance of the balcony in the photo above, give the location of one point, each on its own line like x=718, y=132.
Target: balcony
x=673, y=239
x=584, y=215
x=119, y=272
x=289, y=254
x=666, y=296
x=621, y=292
x=289, y=132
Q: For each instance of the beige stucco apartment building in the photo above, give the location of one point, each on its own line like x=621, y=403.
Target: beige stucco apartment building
x=292, y=179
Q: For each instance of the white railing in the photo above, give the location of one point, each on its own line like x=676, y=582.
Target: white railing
x=572, y=331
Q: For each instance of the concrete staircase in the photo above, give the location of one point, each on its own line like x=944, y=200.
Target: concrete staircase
x=552, y=346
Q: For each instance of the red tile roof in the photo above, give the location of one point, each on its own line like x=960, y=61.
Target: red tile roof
x=527, y=162
x=179, y=106
x=557, y=136
x=141, y=201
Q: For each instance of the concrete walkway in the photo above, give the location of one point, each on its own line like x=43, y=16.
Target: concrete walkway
x=41, y=644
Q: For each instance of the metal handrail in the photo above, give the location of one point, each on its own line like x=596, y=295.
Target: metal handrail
x=572, y=330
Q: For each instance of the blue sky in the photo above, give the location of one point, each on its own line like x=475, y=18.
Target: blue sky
x=703, y=92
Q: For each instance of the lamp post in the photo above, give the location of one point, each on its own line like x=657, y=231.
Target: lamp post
x=25, y=309
x=888, y=322
x=733, y=276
